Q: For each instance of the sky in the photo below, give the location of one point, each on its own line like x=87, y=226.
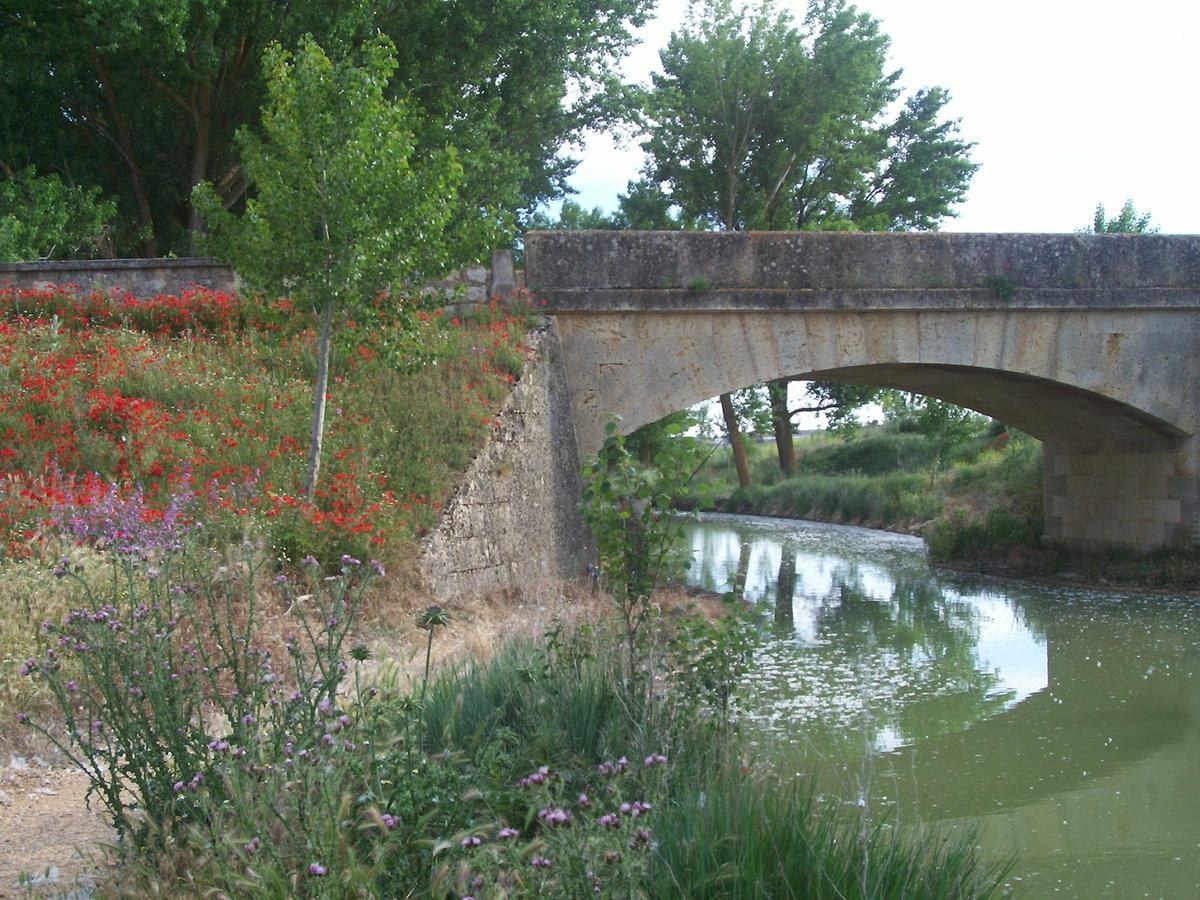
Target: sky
x=1070, y=104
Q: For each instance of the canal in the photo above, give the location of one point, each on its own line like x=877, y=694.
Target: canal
x=1062, y=723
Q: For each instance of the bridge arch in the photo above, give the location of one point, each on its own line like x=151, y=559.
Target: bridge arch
x=1090, y=343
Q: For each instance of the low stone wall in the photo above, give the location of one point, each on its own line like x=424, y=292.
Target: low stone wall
x=514, y=522
x=142, y=277
x=150, y=277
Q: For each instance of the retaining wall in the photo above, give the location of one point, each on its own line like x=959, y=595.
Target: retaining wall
x=514, y=522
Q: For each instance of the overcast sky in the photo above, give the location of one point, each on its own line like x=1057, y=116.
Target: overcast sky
x=1071, y=104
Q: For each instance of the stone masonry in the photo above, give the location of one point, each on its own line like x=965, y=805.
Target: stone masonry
x=1090, y=343
x=514, y=521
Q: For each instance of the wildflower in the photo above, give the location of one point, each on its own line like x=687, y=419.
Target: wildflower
x=72, y=687
x=177, y=787
x=610, y=820
x=471, y=841
x=348, y=560
x=584, y=801
x=23, y=718
x=505, y=833
x=317, y=870
x=389, y=821
x=378, y=567
x=247, y=719
x=540, y=862
x=555, y=816
x=252, y=845
x=654, y=758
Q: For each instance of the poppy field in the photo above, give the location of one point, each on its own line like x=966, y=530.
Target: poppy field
x=209, y=394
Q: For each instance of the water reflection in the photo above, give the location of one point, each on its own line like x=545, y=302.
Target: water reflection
x=1064, y=723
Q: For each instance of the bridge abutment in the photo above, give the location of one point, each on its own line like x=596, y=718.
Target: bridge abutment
x=1106, y=494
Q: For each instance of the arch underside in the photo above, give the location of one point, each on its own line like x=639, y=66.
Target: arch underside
x=1050, y=411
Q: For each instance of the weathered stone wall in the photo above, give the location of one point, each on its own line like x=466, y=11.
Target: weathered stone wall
x=150, y=277
x=142, y=277
x=514, y=522
x=1132, y=494
x=1090, y=343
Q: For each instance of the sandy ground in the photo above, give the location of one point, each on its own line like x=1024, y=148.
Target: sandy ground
x=46, y=829
x=49, y=837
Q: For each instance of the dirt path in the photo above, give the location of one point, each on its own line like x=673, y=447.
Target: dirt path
x=46, y=829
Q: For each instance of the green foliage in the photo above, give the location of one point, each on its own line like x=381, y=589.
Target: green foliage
x=271, y=781
x=170, y=705
x=628, y=507
x=1000, y=285
x=143, y=99
x=759, y=123
x=1127, y=221
x=742, y=834
x=343, y=207
x=873, y=452
x=572, y=216
x=881, y=501
x=43, y=218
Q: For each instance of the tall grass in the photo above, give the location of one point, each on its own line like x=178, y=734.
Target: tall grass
x=883, y=500
x=737, y=836
x=720, y=830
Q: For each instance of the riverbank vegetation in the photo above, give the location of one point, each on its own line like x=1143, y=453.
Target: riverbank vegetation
x=976, y=496
x=590, y=761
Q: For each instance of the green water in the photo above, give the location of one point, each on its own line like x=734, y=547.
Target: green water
x=1063, y=723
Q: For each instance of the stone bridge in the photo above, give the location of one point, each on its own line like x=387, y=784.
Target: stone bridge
x=1090, y=343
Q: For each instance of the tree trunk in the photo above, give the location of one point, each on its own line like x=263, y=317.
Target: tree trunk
x=734, y=430
x=318, y=422
x=781, y=422
x=125, y=146
x=201, y=110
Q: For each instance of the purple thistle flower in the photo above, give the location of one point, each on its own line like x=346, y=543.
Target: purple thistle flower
x=317, y=870
x=505, y=833
x=23, y=718
x=348, y=560
x=378, y=567
x=471, y=841
x=540, y=862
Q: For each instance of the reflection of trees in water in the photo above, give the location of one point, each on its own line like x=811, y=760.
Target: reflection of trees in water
x=923, y=642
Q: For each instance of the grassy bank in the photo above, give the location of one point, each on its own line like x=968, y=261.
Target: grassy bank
x=977, y=504
x=553, y=768
x=885, y=478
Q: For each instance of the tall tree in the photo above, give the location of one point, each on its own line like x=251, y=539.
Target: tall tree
x=758, y=122
x=142, y=98
x=343, y=206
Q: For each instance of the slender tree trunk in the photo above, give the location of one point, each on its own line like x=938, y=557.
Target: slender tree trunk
x=781, y=422
x=201, y=109
x=734, y=430
x=318, y=422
